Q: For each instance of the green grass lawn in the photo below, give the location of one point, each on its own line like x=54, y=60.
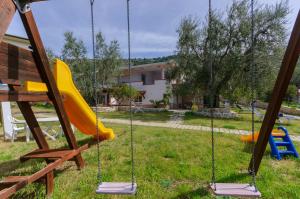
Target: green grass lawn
x=142, y=116
x=169, y=164
x=243, y=122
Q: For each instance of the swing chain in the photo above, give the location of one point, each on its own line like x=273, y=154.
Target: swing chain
x=253, y=94
x=99, y=174
x=130, y=100
x=211, y=104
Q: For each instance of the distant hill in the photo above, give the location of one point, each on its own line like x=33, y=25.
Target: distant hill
x=140, y=61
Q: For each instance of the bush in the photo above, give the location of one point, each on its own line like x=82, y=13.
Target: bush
x=123, y=93
x=161, y=103
x=194, y=107
x=156, y=103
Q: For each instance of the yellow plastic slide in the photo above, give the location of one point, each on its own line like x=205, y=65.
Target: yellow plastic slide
x=78, y=111
x=249, y=138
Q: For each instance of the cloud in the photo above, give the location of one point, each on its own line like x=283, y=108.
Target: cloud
x=153, y=22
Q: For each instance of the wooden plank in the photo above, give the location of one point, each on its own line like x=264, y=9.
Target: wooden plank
x=6, y=193
x=7, y=11
x=46, y=154
x=42, y=62
x=55, y=164
x=49, y=183
x=40, y=140
x=14, y=179
x=33, y=124
x=11, y=181
x=13, y=82
x=17, y=63
x=50, y=153
x=40, y=174
x=23, y=96
x=283, y=79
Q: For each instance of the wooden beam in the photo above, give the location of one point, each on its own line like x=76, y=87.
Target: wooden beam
x=49, y=183
x=42, y=62
x=11, y=82
x=41, y=173
x=33, y=125
x=38, y=135
x=7, y=192
x=17, y=63
x=12, y=180
x=283, y=79
x=50, y=153
x=7, y=11
x=23, y=96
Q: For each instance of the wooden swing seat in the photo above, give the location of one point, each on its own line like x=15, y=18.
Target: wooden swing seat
x=117, y=188
x=235, y=190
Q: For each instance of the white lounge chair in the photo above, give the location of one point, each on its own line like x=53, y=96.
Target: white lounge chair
x=10, y=126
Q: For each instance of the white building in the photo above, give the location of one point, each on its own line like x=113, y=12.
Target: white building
x=149, y=80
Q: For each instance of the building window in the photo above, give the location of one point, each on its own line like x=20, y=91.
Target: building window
x=139, y=98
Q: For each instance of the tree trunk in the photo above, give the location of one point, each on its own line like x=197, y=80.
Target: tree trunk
x=207, y=103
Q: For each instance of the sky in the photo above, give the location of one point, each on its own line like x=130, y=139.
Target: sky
x=153, y=22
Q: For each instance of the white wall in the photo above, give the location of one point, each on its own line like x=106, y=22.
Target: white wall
x=155, y=92
x=138, y=85
x=155, y=86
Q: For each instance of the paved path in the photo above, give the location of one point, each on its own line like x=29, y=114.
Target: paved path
x=177, y=116
x=187, y=127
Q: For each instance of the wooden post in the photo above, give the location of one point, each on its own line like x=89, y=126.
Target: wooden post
x=42, y=62
x=283, y=79
x=49, y=183
x=33, y=125
x=14, y=71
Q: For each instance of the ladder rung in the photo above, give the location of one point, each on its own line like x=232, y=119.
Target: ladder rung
x=286, y=152
x=282, y=143
x=278, y=134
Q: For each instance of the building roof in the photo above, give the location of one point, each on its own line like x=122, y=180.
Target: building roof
x=147, y=67
x=17, y=41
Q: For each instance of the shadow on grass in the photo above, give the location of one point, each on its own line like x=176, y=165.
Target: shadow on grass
x=234, y=177
x=20, y=138
x=29, y=195
x=9, y=166
x=248, y=147
x=201, y=192
x=37, y=188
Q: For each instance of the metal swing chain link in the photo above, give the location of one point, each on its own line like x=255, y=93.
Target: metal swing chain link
x=213, y=179
x=253, y=94
x=130, y=100
x=99, y=174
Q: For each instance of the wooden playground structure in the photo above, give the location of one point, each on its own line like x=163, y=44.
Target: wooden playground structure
x=284, y=77
x=19, y=65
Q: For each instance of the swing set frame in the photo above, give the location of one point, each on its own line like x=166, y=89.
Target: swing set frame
x=18, y=65
x=284, y=77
